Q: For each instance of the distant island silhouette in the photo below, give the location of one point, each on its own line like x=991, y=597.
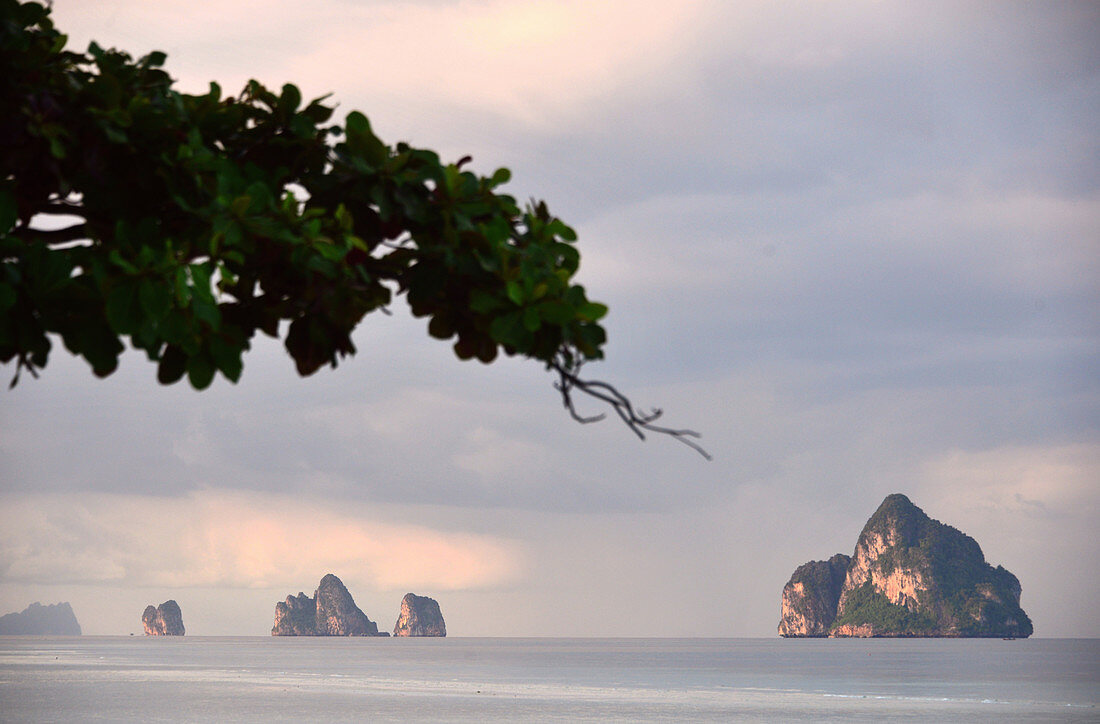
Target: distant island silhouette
x=55, y=619
x=331, y=611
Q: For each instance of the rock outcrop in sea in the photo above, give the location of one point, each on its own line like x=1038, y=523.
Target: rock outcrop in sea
x=420, y=616
x=910, y=575
x=811, y=596
x=56, y=619
x=330, y=612
x=163, y=620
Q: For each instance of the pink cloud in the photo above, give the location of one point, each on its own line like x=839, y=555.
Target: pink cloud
x=236, y=539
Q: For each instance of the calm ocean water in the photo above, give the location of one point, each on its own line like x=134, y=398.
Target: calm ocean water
x=93, y=678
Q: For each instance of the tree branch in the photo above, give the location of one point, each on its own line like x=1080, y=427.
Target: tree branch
x=568, y=381
x=23, y=362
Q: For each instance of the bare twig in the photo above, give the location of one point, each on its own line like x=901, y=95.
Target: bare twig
x=637, y=421
x=22, y=363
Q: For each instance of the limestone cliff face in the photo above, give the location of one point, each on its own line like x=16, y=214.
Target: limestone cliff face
x=420, y=616
x=810, y=597
x=296, y=617
x=337, y=614
x=163, y=620
x=892, y=532
x=910, y=575
x=56, y=619
x=330, y=612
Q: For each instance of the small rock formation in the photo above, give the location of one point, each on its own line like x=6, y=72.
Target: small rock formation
x=55, y=619
x=910, y=575
x=810, y=598
x=296, y=617
x=330, y=612
x=163, y=620
x=420, y=616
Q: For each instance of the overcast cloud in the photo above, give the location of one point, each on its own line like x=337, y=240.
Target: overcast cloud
x=855, y=244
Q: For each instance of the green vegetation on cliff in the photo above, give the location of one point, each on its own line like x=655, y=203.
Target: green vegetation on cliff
x=865, y=605
x=969, y=597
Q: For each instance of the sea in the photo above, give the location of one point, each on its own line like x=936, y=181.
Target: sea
x=269, y=679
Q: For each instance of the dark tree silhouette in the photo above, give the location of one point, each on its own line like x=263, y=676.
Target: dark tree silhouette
x=187, y=223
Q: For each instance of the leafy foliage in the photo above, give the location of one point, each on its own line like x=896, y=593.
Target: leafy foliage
x=826, y=577
x=190, y=222
x=195, y=221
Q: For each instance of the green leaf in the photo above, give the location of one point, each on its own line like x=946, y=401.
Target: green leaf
x=174, y=327
x=509, y=330
x=570, y=257
x=590, y=338
x=122, y=310
x=531, y=319
x=592, y=311
x=308, y=344
x=7, y=297
x=290, y=100
x=172, y=365
x=361, y=139
x=227, y=357
x=441, y=327
x=556, y=312
x=183, y=289
x=9, y=211
x=200, y=371
x=240, y=205
x=515, y=292
x=155, y=298
x=114, y=135
x=483, y=303
x=316, y=111
x=207, y=311
x=200, y=277
x=344, y=218
x=100, y=346
x=558, y=228
x=232, y=238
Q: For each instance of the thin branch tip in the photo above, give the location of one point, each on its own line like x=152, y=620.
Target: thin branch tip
x=568, y=380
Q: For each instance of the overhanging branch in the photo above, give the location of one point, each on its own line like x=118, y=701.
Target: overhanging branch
x=637, y=421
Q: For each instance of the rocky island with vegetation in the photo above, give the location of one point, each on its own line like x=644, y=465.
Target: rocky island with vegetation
x=910, y=576
x=419, y=616
x=331, y=611
x=163, y=620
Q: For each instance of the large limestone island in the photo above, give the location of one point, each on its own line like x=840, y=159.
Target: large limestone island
x=330, y=612
x=910, y=575
x=163, y=620
x=420, y=616
x=55, y=619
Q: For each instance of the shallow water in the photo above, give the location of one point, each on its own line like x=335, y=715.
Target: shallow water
x=466, y=679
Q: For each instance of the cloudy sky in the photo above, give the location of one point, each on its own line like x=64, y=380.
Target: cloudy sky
x=855, y=244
